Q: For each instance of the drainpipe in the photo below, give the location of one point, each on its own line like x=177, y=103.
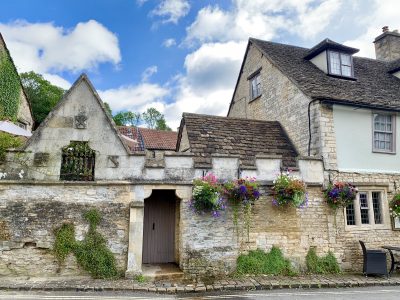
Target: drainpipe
x=309, y=125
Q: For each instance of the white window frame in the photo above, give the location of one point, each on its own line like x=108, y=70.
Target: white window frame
x=341, y=64
x=384, y=207
x=393, y=133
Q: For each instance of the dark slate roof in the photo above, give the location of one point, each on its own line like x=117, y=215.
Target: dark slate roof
x=235, y=136
x=374, y=85
x=329, y=44
x=150, y=139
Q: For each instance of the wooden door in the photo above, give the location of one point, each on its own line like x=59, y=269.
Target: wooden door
x=159, y=228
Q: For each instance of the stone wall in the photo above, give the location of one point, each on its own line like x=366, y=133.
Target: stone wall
x=280, y=100
x=29, y=213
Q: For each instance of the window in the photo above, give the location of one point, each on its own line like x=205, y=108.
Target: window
x=340, y=64
x=383, y=133
x=366, y=210
x=22, y=125
x=255, y=86
x=78, y=162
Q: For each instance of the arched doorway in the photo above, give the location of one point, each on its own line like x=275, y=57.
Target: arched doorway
x=160, y=227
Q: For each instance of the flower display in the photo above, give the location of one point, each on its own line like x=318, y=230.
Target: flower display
x=288, y=190
x=395, y=205
x=242, y=191
x=207, y=196
x=340, y=194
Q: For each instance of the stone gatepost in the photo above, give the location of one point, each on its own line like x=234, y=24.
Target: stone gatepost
x=135, y=243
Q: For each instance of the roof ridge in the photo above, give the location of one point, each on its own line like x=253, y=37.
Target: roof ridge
x=230, y=118
x=277, y=43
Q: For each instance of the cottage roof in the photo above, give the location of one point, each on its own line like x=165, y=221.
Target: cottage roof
x=374, y=86
x=235, y=136
x=150, y=139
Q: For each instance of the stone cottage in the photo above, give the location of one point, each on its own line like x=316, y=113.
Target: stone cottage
x=145, y=201
x=24, y=115
x=341, y=108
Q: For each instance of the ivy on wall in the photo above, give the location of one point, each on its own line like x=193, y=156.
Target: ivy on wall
x=9, y=88
x=92, y=253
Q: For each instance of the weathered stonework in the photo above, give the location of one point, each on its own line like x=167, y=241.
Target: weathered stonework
x=30, y=214
x=280, y=100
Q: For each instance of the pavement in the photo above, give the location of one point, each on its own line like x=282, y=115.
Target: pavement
x=360, y=293
x=247, y=283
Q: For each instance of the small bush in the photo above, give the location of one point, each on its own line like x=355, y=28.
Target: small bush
x=260, y=262
x=8, y=141
x=322, y=265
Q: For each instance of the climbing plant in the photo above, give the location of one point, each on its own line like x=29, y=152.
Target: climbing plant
x=92, y=253
x=9, y=88
x=8, y=141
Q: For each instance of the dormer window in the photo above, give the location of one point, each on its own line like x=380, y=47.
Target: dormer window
x=340, y=64
x=333, y=59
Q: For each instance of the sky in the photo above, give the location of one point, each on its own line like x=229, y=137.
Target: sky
x=175, y=55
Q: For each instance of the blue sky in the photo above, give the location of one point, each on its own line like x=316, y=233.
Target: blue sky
x=175, y=55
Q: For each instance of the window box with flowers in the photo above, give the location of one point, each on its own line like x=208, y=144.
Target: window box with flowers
x=289, y=191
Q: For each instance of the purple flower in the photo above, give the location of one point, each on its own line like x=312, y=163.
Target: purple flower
x=274, y=202
x=242, y=189
x=256, y=194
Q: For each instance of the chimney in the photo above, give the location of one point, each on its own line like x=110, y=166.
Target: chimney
x=387, y=45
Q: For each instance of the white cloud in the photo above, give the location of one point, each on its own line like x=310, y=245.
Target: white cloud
x=384, y=12
x=171, y=10
x=262, y=19
x=57, y=80
x=149, y=72
x=46, y=48
x=169, y=43
x=133, y=97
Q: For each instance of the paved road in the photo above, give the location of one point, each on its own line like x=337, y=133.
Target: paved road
x=371, y=293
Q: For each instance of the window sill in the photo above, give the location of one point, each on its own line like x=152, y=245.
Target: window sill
x=383, y=152
x=342, y=77
x=367, y=227
x=254, y=99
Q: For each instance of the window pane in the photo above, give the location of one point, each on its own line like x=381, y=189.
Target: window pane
x=383, y=132
x=255, y=86
x=350, y=216
x=346, y=71
x=346, y=61
x=335, y=63
x=376, y=203
x=364, y=208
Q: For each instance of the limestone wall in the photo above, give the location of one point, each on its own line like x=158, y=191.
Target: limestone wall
x=29, y=213
x=281, y=100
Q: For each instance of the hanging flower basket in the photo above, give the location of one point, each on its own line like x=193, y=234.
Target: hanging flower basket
x=395, y=205
x=241, y=195
x=207, y=196
x=289, y=191
x=340, y=194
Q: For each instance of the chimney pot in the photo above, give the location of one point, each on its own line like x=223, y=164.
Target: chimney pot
x=385, y=28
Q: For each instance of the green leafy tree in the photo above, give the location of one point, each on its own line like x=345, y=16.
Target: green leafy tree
x=127, y=118
x=41, y=93
x=162, y=125
x=151, y=116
